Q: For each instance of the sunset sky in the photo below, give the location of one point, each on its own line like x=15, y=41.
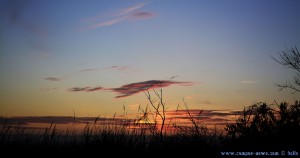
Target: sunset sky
x=94, y=56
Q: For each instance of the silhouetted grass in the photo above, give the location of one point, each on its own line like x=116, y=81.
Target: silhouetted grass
x=107, y=138
x=258, y=128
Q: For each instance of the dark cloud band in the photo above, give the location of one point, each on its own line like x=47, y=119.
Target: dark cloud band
x=134, y=88
x=85, y=89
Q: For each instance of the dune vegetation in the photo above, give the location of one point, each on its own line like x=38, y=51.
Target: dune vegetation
x=260, y=127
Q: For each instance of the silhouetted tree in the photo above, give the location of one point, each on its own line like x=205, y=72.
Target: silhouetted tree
x=290, y=58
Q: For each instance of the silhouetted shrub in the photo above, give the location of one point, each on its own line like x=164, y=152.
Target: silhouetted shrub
x=260, y=126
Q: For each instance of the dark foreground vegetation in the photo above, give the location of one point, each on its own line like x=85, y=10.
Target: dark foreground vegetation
x=263, y=127
x=259, y=128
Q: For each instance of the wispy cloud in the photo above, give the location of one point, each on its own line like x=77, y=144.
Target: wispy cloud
x=104, y=23
x=130, y=9
x=139, y=15
x=118, y=13
x=120, y=68
x=134, y=88
x=86, y=89
x=172, y=77
x=249, y=82
x=125, y=14
x=87, y=70
x=114, y=67
x=24, y=120
x=52, y=79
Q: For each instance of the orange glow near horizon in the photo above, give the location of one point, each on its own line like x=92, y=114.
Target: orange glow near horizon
x=175, y=120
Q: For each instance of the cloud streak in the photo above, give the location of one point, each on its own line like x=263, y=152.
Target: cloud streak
x=104, y=23
x=88, y=70
x=52, y=79
x=117, y=67
x=139, y=15
x=207, y=116
x=125, y=14
x=180, y=117
x=114, y=67
x=25, y=120
x=85, y=89
x=134, y=88
x=130, y=9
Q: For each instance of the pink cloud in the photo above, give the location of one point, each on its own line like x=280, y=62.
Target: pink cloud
x=117, y=13
x=125, y=14
x=103, y=24
x=130, y=9
x=139, y=15
x=134, y=88
x=209, y=116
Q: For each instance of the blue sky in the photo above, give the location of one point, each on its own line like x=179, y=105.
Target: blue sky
x=223, y=47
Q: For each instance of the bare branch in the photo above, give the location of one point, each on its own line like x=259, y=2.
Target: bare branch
x=287, y=85
x=291, y=59
x=159, y=109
